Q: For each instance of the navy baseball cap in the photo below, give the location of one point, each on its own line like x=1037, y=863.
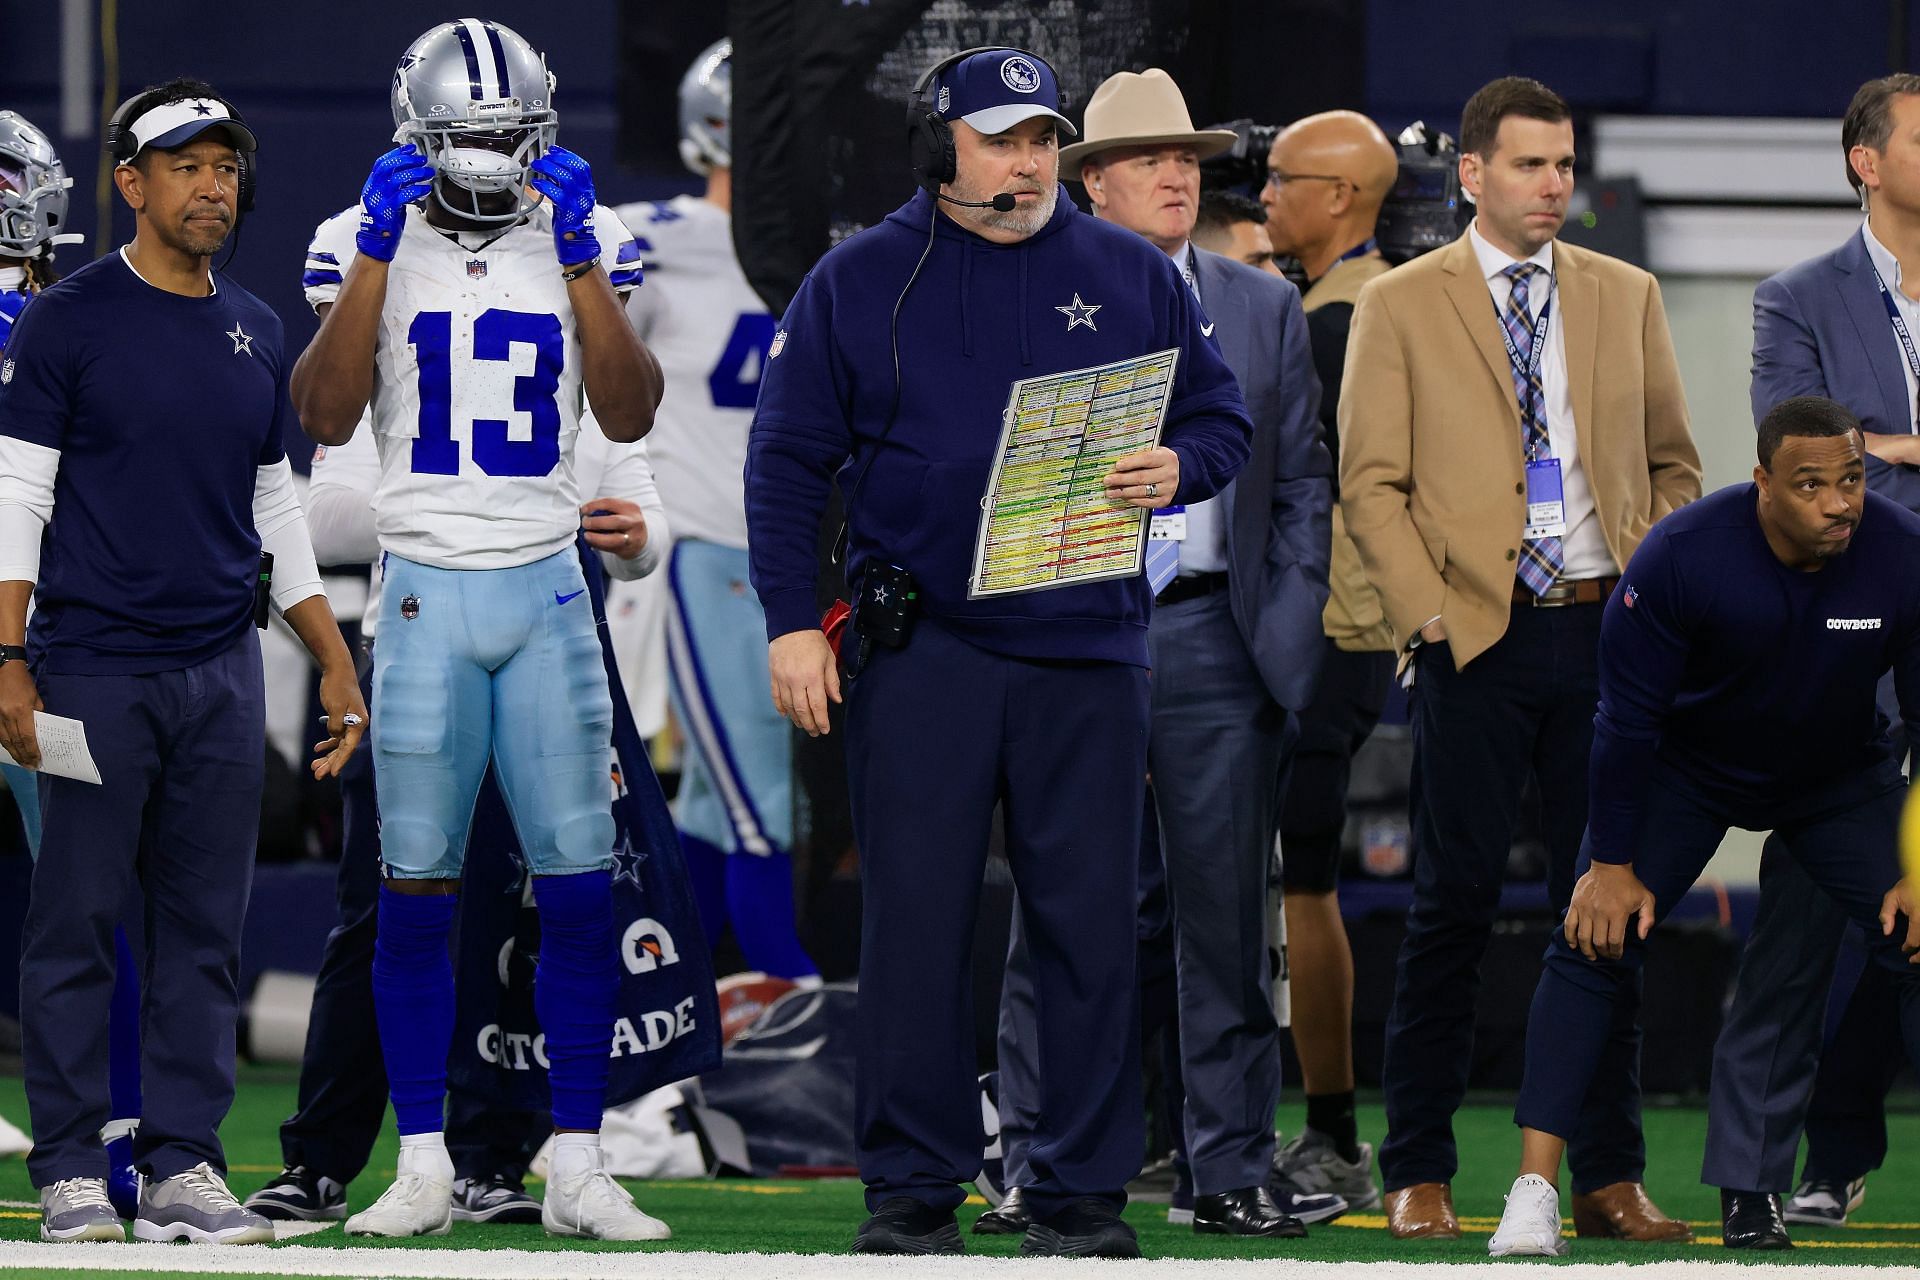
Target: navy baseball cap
x=995, y=90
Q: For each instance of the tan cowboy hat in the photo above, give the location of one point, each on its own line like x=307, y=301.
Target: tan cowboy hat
x=1143, y=109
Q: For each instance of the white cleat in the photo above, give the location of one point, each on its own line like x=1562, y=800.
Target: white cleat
x=1530, y=1227
x=419, y=1203
x=592, y=1206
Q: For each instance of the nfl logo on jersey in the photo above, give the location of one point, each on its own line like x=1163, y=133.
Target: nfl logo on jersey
x=476, y=270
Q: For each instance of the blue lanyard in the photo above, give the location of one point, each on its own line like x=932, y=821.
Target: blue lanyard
x=1899, y=327
x=1370, y=245
x=1536, y=349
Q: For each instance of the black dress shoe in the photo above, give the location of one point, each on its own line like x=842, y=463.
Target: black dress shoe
x=906, y=1225
x=1751, y=1220
x=1011, y=1218
x=1088, y=1228
x=1249, y=1211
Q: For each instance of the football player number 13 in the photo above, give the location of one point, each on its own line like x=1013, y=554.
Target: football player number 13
x=435, y=451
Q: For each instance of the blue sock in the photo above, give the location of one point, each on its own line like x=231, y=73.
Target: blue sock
x=123, y=1031
x=413, y=1003
x=573, y=991
x=707, y=873
x=760, y=899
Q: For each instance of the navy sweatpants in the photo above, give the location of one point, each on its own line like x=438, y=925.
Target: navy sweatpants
x=1845, y=840
x=937, y=734
x=182, y=758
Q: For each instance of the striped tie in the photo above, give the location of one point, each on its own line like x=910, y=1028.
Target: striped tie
x=1541, y=559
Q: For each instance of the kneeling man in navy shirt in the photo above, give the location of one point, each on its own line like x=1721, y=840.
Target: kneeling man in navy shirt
x=1738, y=660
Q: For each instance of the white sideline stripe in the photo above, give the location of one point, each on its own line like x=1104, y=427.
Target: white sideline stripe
x=585, y=1264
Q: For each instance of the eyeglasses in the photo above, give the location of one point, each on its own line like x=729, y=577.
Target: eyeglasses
x=1280, y=178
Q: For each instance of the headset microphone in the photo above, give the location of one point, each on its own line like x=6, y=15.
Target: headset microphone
x=1002, y=203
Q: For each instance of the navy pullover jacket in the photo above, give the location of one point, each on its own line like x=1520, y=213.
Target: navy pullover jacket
x=1753, y=681
x=1077, y=293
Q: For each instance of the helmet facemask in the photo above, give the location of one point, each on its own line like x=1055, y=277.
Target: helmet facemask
x=474, y=164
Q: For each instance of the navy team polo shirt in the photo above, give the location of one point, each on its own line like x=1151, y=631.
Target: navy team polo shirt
x=163, y=409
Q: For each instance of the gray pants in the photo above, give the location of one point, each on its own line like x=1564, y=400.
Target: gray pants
x=1215, y=749
x=1768, y=1053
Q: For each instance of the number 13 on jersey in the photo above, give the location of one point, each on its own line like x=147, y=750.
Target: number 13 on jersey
x=495, y=331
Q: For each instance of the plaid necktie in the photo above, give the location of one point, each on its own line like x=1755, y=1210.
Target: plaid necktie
x=1541, y=559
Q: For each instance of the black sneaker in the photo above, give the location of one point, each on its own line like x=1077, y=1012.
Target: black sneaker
x=1086, y=1228
x=493, y=1200
x=300, y=1195
x=906, y=1225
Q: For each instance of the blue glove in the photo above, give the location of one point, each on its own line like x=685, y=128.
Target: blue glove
x=398, y=179
x=567, y=183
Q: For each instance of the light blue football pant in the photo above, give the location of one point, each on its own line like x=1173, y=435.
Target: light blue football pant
x=500, y=663
x=736, y=781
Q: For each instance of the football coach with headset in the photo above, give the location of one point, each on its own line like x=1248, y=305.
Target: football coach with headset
x=142, y=408
x=1036, y=702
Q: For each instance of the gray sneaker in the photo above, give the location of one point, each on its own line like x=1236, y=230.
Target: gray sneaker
x=1309, y=1165
x=78, y=1209
x=197, y=1206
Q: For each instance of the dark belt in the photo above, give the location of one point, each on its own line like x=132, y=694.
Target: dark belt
x=1577, y=591
x=1192, y=586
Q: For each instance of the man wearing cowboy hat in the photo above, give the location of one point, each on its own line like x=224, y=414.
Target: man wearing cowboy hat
x=1235, y=648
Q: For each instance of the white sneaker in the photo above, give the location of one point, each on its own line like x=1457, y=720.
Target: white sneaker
x=593, y=1206
x=1530, y=1227
x=419, y=1203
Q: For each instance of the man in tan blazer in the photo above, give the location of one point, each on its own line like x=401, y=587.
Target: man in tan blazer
x=1511, y=425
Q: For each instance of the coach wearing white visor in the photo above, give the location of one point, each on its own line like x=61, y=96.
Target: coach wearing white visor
x=142, y=408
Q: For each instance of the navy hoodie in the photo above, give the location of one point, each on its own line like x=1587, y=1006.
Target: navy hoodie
x=980, y=316
x=1753, y=681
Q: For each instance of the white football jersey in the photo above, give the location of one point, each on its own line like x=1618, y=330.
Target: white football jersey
x=605, y=468
x=710, y=333
x=477, y=393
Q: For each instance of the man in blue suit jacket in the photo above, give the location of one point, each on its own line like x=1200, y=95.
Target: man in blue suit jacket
x=1235, y=647
x=1826, y=327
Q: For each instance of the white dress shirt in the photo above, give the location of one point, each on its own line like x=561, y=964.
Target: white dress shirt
x=1584, y=545
x=1889, y=268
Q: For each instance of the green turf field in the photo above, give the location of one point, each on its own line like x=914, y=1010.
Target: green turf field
x=820, y=1217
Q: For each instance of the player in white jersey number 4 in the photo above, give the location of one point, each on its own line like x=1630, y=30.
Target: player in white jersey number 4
x=475, y=312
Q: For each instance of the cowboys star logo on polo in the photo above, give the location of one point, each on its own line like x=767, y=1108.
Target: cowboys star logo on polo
x=242, y=340
x=1080, y=313
x=1020, y=75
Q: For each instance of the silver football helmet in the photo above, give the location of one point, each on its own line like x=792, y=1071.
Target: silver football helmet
x=33, y=191
x=478, y=102
x=706, y=110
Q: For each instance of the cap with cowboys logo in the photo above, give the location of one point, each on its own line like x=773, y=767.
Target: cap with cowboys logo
x=996, y=90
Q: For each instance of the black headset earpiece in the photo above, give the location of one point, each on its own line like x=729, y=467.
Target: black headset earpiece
x=929, y=137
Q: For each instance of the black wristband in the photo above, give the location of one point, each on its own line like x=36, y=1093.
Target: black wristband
x=575, y=272
x=12, y=653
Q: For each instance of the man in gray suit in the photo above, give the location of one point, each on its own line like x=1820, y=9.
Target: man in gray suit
x=1235, y=648
x=1845, y=325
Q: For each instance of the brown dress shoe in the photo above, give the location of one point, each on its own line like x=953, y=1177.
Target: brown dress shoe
x=1423, y=1211
x=1623, y=1212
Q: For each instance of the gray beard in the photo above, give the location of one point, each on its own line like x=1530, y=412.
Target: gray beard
x=1023, y=222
